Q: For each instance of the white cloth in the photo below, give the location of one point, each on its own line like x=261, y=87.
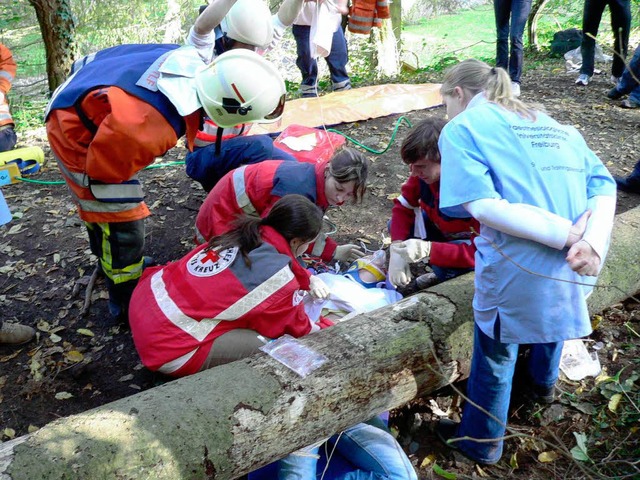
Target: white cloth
x=348, y=296
x=576, y=361
x=324, y=19
x=176, y=80
x=419, y=227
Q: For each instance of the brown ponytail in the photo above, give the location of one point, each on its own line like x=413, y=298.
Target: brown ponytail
x=292, y=216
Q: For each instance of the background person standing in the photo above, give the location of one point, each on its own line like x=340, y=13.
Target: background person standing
x=544, y=206
x=7, y=74
x=511, y=17
x=620, y=24
x=317, y=26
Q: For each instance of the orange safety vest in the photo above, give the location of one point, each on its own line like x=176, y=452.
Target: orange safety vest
x=7, y=74
x=365, y=14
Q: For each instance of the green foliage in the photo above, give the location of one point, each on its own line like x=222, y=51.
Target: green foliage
x=105, y=23
x=438, y=42
x=559, y=15
x=579, y=452
x=435, y=41
x=28, y=114
x=363, y=71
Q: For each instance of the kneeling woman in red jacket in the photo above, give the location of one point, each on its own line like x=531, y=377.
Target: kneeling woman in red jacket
x=215, y=304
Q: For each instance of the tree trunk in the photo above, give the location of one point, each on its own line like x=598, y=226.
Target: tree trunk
x=532, y=21
x=386, y=61
x=172, y=23
x=395, y=8
x=58, y=31
x=227, y=421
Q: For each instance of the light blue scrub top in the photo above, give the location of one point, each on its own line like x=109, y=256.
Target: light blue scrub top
x=5, y=213
x=489, y=152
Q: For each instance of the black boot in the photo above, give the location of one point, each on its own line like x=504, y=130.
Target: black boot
x=629, y=184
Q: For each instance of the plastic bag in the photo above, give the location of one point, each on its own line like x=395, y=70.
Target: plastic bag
x=574, y=59
x=294, y=355
x=577, y=363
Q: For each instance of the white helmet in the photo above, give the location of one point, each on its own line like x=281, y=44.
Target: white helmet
x=240, y=86
x=249, y=21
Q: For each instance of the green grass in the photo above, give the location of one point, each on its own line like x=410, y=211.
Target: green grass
x=436, y=42
x=451, y=35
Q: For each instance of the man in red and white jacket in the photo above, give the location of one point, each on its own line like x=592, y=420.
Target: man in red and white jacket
x=416, y=212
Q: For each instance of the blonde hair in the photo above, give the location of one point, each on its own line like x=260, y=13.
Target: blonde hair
x=475, y=76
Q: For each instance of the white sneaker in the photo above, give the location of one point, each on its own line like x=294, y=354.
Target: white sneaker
x=614, y=79
x=583, y=80
x=515, y=89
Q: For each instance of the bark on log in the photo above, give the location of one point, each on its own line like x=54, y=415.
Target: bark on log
x=57, y=26
x=227, y=421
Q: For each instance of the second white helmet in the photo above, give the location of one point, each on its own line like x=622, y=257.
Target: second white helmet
x=240, y=86
x=249, y=21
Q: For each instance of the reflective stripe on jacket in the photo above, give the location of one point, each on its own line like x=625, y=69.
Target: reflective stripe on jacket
x=7, y=74
x=177, y=311
x=365, y=14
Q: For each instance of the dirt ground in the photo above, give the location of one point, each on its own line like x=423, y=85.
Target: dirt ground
x=82, y=361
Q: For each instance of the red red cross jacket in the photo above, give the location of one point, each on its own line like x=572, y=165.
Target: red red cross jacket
x=178, y=310
x=253, y=189
x=441, y=229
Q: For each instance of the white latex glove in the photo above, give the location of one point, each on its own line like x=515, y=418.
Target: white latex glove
x=413, y=250
x=317, y=288
x=398, y=273
x=348, y=253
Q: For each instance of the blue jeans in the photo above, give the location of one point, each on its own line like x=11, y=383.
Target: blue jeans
x=627, y=83
x=489, y=387
x=620, y=24
x=374, y=453
x=511, y=17
x=204, y=166
x=8, y=139
x=308, y=66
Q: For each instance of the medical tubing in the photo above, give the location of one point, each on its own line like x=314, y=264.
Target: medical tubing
x=376, y=152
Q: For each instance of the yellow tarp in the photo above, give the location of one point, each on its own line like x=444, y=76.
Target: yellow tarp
x=354, y=105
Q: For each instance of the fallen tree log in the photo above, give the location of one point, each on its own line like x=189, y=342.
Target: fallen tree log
x=224, y=422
